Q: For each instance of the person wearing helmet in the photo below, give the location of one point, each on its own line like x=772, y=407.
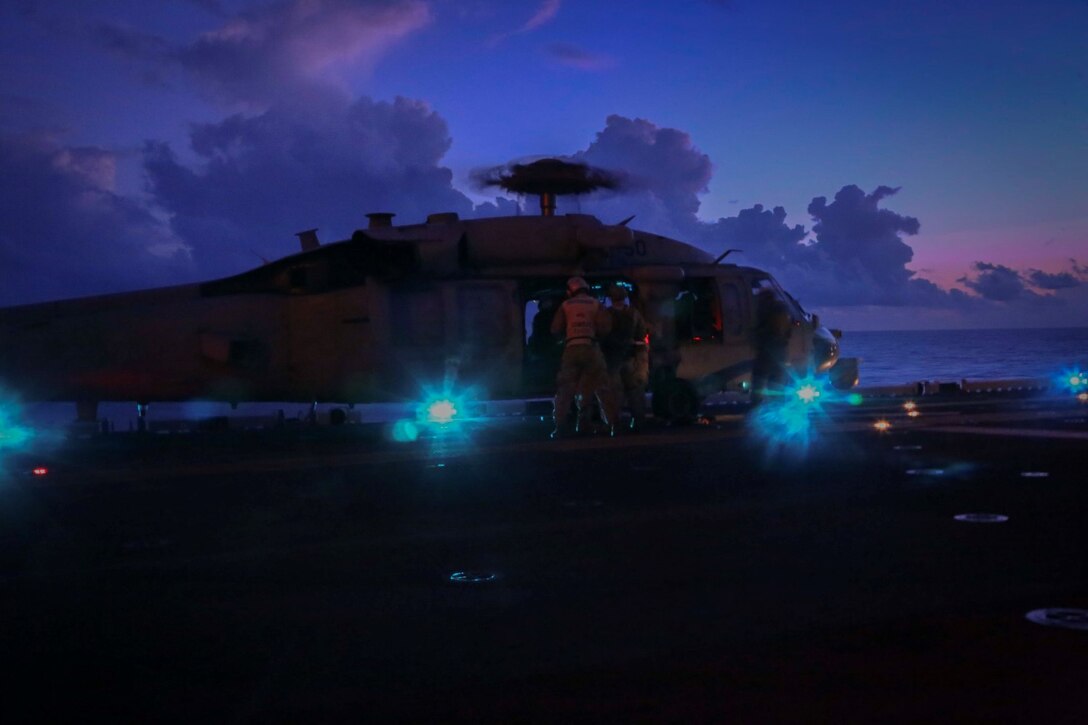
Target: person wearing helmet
x=582, y=321
x=627, y=356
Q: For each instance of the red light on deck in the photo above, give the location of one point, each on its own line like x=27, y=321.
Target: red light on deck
x=40, y=471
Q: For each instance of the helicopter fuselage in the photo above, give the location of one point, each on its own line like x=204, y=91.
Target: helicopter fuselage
x=394, y=311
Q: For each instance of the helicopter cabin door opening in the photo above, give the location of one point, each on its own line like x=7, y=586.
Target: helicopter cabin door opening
x=542, y=350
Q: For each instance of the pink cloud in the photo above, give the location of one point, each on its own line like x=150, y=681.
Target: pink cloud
x=544, y=15
x=254, y=55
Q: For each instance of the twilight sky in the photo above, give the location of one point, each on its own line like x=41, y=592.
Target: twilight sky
x=895, y=165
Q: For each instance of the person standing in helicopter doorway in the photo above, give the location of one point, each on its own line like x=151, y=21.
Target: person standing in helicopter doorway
x=627, y=356
x=772, y=340
x=583, y=322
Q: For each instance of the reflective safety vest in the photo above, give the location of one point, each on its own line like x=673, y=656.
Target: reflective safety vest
x=581, y=313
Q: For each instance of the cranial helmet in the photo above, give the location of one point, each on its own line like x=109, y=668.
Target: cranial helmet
x=617, y=293
x=576, y=283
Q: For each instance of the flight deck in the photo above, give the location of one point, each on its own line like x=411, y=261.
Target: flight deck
x=912, y=558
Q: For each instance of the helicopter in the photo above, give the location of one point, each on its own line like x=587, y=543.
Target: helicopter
x=397, y=312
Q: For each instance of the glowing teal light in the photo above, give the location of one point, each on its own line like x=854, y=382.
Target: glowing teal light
x=405, y=431
x=1073, y=380
x=786, y=420
x=12, y=435
x=854, y=399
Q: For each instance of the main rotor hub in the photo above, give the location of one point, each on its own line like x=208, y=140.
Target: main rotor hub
x=549, y=178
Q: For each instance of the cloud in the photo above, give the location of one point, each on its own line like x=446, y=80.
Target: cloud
x=1055, y=281
x=853, y=229
x=856, y=258
x=762, y=235
x=664, y=171
x=575, y=57
x=266, y=53
x=858, y=255
x=263, y=177
x=500, y=207
x=995, y=282
x=544, y=14
x=999, y=283
x=68, y=233
x=272, y=51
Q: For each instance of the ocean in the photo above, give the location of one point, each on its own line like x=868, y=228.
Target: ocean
x=887, y=358
x=891, y=358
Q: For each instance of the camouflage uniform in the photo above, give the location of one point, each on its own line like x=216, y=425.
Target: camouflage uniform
x=582, y=320
x=627, y=356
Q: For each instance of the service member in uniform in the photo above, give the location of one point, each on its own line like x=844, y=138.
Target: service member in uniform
x=627, y=356
x=582, y=321
x=772, y=338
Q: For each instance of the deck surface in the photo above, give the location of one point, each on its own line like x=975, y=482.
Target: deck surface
x=692, y=573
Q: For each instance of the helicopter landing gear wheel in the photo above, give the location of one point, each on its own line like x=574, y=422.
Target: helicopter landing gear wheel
x=675, y=401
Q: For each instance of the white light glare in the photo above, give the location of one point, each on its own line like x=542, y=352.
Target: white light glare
x=441, y=411
x=808, y=393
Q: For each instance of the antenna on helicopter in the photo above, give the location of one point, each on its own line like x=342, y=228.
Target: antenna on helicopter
x=725, y=254
x=624, y=222
x=549, y=178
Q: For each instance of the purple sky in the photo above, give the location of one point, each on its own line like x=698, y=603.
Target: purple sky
x=896, y=165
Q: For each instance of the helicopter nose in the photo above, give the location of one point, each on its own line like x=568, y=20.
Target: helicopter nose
x=825, y=349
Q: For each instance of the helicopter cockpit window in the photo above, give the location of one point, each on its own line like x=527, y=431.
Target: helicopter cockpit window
x=698, y=311
x=764, y=283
